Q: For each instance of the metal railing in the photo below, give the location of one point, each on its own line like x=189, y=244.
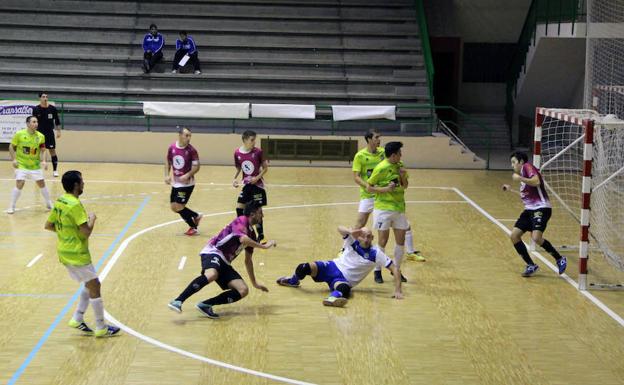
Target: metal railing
x=541, y=12
x=133, y=110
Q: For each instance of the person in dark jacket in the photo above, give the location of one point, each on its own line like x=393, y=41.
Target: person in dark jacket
x=153, y=43
x=185, y=46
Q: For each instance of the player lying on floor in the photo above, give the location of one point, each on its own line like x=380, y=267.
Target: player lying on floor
x=358, y=258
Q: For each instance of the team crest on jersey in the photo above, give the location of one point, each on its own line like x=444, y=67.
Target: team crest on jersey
x=178, y=162
x=248, y=167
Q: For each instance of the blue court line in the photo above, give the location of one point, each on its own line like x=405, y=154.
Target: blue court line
x=74, y=297
x=28, y=295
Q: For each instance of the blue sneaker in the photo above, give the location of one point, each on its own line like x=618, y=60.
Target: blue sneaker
x=287, y=281
x=562, y=263
x=206, y=310
x=530, y=270
x=109, y=331
x=175, y=306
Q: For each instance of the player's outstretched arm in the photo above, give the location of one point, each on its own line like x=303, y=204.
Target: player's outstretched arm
x=248, y=242
x=398, y=294
x=251, y=273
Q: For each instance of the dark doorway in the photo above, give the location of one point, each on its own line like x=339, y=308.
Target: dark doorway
x=446, y=55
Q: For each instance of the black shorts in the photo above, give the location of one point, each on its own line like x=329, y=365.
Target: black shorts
x=534, y=219
x=50, y=138
x=251, y=192
x=226, y=272
x=181, y=194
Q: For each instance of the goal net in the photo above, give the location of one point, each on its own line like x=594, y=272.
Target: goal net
x=581, y=157
x=604, y=62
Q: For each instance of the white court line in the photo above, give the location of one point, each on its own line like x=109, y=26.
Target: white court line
x=182, y=262
x=162, y=345
x=28, y=295
x=552, y=267
x=34, y=260
x=122, y=247
x=230, y=184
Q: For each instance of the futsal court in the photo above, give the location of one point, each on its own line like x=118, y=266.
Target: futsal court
x=468, y=316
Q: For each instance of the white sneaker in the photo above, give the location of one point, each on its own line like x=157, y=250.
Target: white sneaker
x=197, y=72
x=174, y=71
x=10, y=210
x=55, y=173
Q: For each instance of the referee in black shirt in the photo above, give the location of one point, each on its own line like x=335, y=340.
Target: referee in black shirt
x=49, y=122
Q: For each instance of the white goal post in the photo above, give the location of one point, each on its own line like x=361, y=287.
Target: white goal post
x=580, y=154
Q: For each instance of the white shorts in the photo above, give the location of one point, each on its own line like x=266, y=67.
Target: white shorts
x=82, y=274
x=384, y=220
x=21, y=174
x=366, y=205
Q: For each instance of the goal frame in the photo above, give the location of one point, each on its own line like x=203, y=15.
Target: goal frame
x=586, y=188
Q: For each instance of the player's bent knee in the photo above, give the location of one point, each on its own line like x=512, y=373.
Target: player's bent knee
x=344, y=289
x=243, y=291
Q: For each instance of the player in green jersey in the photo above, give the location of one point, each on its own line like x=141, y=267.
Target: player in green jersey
x=73, y=226
x=26, y=153
x=364, y=162
x=388, y=182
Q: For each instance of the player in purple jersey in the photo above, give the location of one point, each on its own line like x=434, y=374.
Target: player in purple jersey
x=181, y=165
x=250, y=160
x=217, y=257
x=537, y=212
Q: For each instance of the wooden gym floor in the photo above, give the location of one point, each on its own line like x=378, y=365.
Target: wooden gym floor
x=468, y=316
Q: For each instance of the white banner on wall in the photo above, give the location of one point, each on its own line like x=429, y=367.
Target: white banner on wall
x=363, y=112
x=197, y=110
x=13, y=114
x=289, y=111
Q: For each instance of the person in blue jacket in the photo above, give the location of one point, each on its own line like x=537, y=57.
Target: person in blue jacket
x=153, y=43
x=185, y=45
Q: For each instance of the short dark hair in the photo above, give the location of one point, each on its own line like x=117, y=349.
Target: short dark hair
x=251, y=208
x=248, y=134
x=42, y=92
x=182, y=128
x=521, y=156
x=69, y=180
x=29, y=118
x=153, y=25
x=183, y=32
x=392, y=148
x=369, y=134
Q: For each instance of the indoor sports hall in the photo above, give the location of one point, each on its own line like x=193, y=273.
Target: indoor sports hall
x=316, y=81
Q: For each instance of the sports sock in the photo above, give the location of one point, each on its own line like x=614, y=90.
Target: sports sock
x=409, y=242
x=98, y=308
x=46, y=194
x=228, y=296
x=188, y=215
x=551, y=250
x=83, y=303
x=524, y=253
x=196, y=285
x=54, y=162
x=14, y=195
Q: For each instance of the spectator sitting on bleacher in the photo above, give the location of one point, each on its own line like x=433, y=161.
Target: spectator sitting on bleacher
x=185, y=46
x=153, y=43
